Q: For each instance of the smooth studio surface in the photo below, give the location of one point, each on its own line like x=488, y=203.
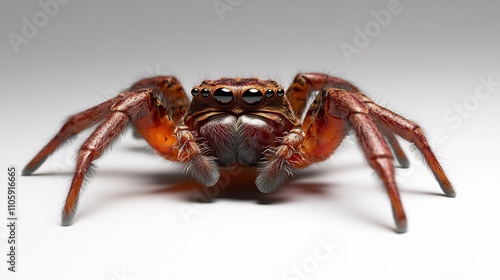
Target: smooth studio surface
x=142, y=218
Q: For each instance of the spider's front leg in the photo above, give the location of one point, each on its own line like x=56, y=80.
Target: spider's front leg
x=74, y=125
x=148, y=115
x=338, y=108
x=305, y=84
x=153, y=120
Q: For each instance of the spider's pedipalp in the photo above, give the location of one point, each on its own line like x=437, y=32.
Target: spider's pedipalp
x=203, y=169
x=273, y=174
x=279, y=167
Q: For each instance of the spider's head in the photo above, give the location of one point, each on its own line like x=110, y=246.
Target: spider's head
x=238, y=96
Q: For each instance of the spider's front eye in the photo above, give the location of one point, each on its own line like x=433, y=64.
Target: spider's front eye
x=252, y=96
x=280, y=92
x=223, y=96
x=205, y=92
x=269, y=93
x=194, y=92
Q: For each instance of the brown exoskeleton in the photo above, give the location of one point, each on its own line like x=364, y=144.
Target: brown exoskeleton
x=249, y=122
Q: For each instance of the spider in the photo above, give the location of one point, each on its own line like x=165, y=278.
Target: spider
x=247, y=122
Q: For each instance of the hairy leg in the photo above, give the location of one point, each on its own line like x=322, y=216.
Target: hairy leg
x=170, y=92
x=339, y=107
x=74, y=125
x=412, y=133
x=305, y=84
x=334, y=112
x=348, y=107
x=315, y=140
x=97, y=142
x=91, y=150
x=300, y=91
x=167, y=88
x=399, y=154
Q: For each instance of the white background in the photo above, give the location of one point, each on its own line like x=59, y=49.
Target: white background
x=427, y=61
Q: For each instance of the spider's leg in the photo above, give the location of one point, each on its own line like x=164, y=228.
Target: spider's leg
x=412, y=133
x=74, y=125
x=97, y=142
x=316, y=139
x=399, y=154
x=149, y=117
x=170, y=92
x=348, y=107
x=331, y=116
x=305, y=84
x=163, y=129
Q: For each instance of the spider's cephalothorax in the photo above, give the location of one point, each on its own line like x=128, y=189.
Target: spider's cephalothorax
x=249, y=122
x=239, y=118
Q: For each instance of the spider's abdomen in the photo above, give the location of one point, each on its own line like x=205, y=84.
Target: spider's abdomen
x=238, y=139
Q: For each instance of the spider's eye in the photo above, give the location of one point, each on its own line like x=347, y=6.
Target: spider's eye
x=223, y=96
x=252, y=96
x=269, y=93
x=205, y=92
x=195, y=91
x=280, y=92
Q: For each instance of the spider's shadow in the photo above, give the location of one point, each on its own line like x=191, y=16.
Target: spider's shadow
x=239, y=187
x=177, y=185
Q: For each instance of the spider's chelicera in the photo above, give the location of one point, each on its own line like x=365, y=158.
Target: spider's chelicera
x=247, y=122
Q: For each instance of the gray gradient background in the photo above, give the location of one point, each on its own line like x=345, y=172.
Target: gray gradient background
x=426, y=61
